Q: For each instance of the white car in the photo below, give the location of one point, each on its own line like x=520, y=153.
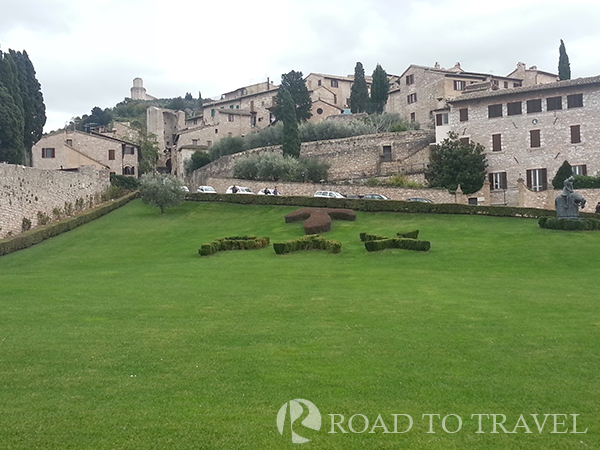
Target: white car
x=206, y=190
x=328, y=194
x=185, y=189
x=240, y=190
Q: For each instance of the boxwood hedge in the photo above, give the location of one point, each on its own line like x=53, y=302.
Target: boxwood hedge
x=311, y=242
x=233, y=243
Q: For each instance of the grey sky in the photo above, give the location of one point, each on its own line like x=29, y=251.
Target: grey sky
x=87, y=54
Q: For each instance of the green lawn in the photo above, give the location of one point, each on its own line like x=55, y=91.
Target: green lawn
x=118, y=335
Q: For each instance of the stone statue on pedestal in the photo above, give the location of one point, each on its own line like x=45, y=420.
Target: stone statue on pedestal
x=568, y=202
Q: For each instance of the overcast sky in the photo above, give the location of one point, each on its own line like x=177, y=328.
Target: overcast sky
x=87, y=54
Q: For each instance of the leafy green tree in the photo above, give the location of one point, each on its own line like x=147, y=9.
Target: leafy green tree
x=98, y=118
x=379, y=89
x=563, y=172
x=227, y=146
x=454, y=163
x=149, y=151
x=198, y=159
x=162, y=191
x=296, y=87
x=291, y=141
x=359, y=93
x=564, y=67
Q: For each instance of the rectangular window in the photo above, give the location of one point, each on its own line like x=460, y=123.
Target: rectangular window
x=216, y=131
x=517, y=84
x=194, y=142
x=464, y=141
x=494, y=111
x=463, y=114
x=111, y=155
x=70, y=142
x=534, y=106
x=495, y=83
x=412, y=98
x=230, y=117
x=208, y=143
x=387, y=153
x=459, y=85
x=212, y=113
x=497, y=180
x=534, y=138
x=319, y=82
x=48, y=153
x=537, y=179
x=441, y=119
x=506, y=85
x=230, y=106
x=580, y=169
x=514, y=108
x=553, y=103
x=496, y=142
x=413, y=117
x=128, y=150
x=575, y=134
x=575, y=101
x=334, y=83
x=410, y=79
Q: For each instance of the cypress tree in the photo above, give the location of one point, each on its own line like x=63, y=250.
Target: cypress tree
x=291, y=141
x=563, y=172
x=564, y=67
x=293, y=82
x=379, y=89
x=359, y=93
x=11, y=113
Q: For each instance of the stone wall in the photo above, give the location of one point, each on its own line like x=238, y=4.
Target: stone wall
x=350, y=158
x=25, y=191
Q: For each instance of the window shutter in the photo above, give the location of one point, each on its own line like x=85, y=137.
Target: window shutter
x=438, y=119
x=504, y=180
x=491, y=179
x=544, y=179
x=529, y=181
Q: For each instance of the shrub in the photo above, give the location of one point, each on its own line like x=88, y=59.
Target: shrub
x=233, y=243
x=311, y=242
x=162, y=191
x=124, y=182
x=586, y=182
x=277, y=167
x=554, y=223
x=406, y=244
x=318, y=220
x=42, y=218
x=409, y=234
x=25, y=224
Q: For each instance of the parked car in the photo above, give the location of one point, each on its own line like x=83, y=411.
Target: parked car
x=419, y=199
x=376, y=197
x=240, y=190
x=206, y=190
x=185, y=189
x=328, y=194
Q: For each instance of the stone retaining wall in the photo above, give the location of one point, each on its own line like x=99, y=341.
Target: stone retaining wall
x=25, y=191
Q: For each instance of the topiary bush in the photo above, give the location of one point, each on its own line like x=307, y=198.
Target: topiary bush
x=312, y=242
x=554, y=223
x=406, y=244
x=233, y=243
x=318, y=220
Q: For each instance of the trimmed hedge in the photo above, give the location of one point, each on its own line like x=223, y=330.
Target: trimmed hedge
x=378, y=205
x=37, y=235
x=554, y=223
x=375, y=237
x=312, y=242
x=406, y=244
x=233, y=243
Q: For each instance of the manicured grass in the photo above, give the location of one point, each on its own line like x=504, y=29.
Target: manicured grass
x=118, y=335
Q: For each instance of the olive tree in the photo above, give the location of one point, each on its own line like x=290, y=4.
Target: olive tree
x=162, y=191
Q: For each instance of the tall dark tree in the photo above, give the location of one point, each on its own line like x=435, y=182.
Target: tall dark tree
x=12, y=124
x=454, y=163
x=11, y=129
x=359, y=93
x=563, y=172
x=293, y=82
x=34, y=110
x=379, y=89
x=99, y=117
x=291, y=141
x=564, y=67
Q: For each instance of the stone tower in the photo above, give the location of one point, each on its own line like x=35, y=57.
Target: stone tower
x=138, y=91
